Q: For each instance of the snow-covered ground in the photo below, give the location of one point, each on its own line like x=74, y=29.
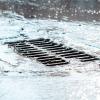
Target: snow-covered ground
x=25, y=79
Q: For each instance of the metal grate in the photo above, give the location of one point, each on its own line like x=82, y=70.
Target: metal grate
x=35, y=49
x=24, y=48
x=59, y=49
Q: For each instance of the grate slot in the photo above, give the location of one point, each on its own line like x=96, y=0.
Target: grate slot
x=53, y=61
x=56, y=64
x=86, y=57
x=73, y=53
x=39, y=40
x=76, y=56
x=81, y=56
x=49, y=59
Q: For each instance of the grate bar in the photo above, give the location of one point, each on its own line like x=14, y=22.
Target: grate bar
x=67, y=52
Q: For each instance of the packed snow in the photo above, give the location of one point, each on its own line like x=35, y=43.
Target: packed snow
x=26, y=79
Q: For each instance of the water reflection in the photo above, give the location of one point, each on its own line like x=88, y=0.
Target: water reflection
x=87, y=10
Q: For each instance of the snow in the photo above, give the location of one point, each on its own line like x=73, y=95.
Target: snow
x=26, y=79
x=81, y=87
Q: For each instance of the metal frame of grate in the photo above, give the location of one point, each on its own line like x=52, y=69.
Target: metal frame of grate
x=59, y=49
x=26, y=49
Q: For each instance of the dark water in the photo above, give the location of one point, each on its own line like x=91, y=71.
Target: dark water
x=85, y=10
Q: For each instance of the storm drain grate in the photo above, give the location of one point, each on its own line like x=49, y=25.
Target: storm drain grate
x=59, y=49
x=40, y=50
x=26, y=49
